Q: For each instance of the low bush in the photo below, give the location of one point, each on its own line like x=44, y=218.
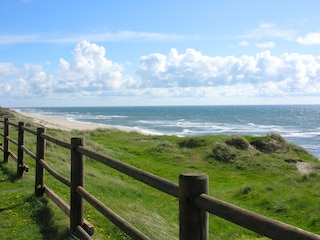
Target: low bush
x=238, y=142
x=223, y=153
x=192, y=143
x=272, y=143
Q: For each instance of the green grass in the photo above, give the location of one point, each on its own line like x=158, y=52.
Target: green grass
x=22, y=215
x=250, y=172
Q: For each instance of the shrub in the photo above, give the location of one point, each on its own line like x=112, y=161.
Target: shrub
x=6, y=113
x=165, y=147
x=192, y=143
x=273, y=142
x=245, y=189
x=223, y=153
x=238, y=142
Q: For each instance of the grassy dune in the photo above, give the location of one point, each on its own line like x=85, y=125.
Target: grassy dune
x=258, y=173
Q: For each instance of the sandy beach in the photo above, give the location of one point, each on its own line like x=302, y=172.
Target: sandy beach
x=61, y=123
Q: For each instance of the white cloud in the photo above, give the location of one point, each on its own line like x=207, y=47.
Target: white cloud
x=265, y=44
x=12, y=39
x=191, y=74
x=121, y=36
x=7, y=69
x=310, y=39
x=243, y=43
x=32, y=82
x=290, y=72
x=265, y=25
x=269, y=30
x=188, y=69
x=90, y=71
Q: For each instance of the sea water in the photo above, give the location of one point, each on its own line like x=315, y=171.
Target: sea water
x=296, y=123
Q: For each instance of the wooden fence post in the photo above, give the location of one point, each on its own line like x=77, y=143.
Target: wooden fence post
x=39, y=169
x=193, y=221
x=77, y=174
x=5, y=140
x=20, y=163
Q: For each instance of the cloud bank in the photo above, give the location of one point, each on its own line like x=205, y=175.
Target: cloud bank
x=288, y=73
x=189, y=74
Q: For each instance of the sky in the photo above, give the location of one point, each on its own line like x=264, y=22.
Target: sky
x=152, y=52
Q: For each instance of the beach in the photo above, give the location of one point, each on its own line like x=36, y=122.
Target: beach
x=61, y=123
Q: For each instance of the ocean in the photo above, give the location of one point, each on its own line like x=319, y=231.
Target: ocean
x=299, y=124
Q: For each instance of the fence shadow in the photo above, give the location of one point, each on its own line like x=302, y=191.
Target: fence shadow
x=12, y=175
x=41, y=212
x=44, y=218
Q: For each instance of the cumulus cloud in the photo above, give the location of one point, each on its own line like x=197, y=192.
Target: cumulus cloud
x=90, y=74
x=31, y=81
x=310, y=39
x=90, y=70
x=291, y=72
x=7, y=69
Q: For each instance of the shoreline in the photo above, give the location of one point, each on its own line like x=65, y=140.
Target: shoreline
x=56, y=122
x=64, y=124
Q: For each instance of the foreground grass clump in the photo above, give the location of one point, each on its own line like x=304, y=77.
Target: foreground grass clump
x=22, y=216
x=257, y=173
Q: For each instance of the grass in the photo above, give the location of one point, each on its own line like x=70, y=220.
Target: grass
x=251, y=172
x=22, y=215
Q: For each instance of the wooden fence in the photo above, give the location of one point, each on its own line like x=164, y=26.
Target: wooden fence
x=192, y=192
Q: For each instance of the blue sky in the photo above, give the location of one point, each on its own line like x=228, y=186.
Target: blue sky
x=111, y=53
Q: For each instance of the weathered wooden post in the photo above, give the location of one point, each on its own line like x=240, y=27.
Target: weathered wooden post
x=20, y=163
x=5, y=140
x=193, y=221
x=77, y=174
x=39, y=169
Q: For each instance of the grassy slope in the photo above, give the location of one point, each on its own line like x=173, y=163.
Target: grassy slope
x=261, y=181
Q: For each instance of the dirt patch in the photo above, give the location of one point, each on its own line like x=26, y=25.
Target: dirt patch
x=305, y=168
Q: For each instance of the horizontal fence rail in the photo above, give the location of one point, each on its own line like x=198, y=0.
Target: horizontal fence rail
x=56, y=141
x=65, y=208
x=55, y=174
x=29, y=130
x=192, y=191
x=14, y=157
x=27, y=151
x=12, y=141
x=152, y=180
x=111, y=215
x=13, y=124
x=252, y=221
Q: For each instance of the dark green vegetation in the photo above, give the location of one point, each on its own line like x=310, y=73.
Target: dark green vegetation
x=257, y=173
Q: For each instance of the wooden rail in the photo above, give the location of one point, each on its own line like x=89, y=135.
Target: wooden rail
x=143, y=176
x=250, y=220
x=194, y=202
